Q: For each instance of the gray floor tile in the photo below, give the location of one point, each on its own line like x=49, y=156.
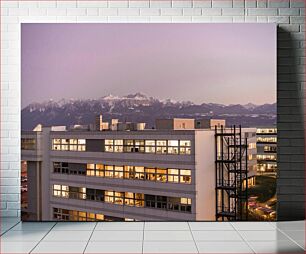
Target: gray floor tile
x=130, y=226
x=9, y=220
x=220, y=226
x=216, y=236
x=23, y=236
x=3, y=230
x=114, y=247
x=169, y=247
x=276, y=247
x=77, y=226
x=68, y=236
x=273, y=235
x=17, y=247
x=297, y=236
x=5, y=226
x=167, y=236
x=166, y=226
x=224, y=247
x=33, y=226
x=60, y=247
x=290, y=225
x=107, y=236
x=253, y=225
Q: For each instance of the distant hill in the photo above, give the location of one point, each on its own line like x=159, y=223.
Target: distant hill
x=141, y=108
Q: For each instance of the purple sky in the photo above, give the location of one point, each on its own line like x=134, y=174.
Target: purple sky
x=220, y=63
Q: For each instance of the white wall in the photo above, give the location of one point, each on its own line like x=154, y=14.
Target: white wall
x=205, y=175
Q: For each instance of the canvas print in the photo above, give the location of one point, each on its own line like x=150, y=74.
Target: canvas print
x=148, y=122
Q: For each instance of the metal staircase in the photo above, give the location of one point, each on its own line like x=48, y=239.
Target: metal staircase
x=231, y=171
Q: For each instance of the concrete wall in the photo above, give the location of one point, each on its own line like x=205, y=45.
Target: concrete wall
x=175, y=124
x=205, y=175
x=289, y=14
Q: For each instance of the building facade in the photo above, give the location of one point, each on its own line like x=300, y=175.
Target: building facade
x=121, y=175
x=266, y=150
x=113, y=175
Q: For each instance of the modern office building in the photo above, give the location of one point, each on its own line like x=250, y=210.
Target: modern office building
x=161, y=174
x=266, y=150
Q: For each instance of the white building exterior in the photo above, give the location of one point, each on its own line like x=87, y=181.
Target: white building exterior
x=174, y=182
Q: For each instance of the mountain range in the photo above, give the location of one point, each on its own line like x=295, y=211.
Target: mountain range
x=141, y=108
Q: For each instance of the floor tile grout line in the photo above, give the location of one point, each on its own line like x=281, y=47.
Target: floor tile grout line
x=290, y=238
x=93, y=230
x=232, y=225
x=42, y=238
x=244, y=240
x=10, y=228
x=195, y=243
x=272, y=224
x=258, y=229
x=143, y=232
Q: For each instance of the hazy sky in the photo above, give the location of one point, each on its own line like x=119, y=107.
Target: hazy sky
x=220, y=63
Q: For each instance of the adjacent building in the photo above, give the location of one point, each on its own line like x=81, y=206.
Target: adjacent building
x=266, y=150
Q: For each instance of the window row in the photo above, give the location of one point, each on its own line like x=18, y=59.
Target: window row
x=123, y=198
x=74, y=215
x=269, y=157
x=270, y=149
x=28, y=144
x=148, y=146
x=69, y=144
x=69, y=168
x=170, y=175
x=267, y=131
x=266, y=139
x=270, y=167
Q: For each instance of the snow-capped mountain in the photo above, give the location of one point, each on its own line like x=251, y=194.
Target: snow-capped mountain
x=141, y=108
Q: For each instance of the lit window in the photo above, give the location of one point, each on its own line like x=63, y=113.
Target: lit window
x=73, y=141
x=109, y=145
x=161, y=175
x=150, y=174
x=99, y=216
x=118, y=141
x=82, y=141
x=118, y=172
x=139, y=173
x=109, y=196
x=185, y=143
x=65, y=141
x=185, y=176
x=109, y=171
x=161, y=142
x=150, y=149
x=172, y=150
x=128, y=172
x=252, y=145
x=173, y=175
x=172, y=142
x=109, y=142
x=119, y=196
x=161, y=150
x=69, y=144
x=150, y=142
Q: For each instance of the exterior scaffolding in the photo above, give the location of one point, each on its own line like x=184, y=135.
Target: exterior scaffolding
x=231, y=174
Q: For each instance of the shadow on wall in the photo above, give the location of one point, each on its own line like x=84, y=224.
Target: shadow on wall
x=290, y=125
